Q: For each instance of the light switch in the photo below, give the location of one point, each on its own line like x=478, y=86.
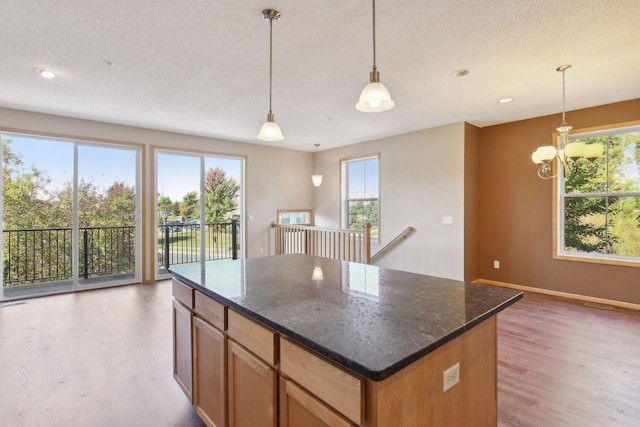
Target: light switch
x=448, y=220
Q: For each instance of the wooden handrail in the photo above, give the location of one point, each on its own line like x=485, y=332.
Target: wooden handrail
x=341, y=244
x=399, y=238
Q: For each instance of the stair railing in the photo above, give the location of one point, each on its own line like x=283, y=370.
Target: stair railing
x=395, y=241
x=340, y=244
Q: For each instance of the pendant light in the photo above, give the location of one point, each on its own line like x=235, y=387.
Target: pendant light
x=270, y=131
x=317, y=178
x=374, y=97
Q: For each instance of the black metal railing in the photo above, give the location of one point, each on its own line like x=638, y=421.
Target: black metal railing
x=180, y=243
x=45, y=254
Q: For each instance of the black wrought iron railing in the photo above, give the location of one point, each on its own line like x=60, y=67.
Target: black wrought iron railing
x=181, y=244
x=46, y=254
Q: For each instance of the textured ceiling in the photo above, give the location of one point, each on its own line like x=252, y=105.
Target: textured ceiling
x=201, y=66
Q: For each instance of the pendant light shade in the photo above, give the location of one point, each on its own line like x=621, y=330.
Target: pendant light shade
x=374, y=97
x=270, y=131
x=317, y=178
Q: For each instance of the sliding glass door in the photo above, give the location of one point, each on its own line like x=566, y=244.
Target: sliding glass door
x=70, y=215
x=198, y=208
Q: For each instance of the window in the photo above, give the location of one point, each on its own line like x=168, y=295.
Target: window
x=361, y=194
x=599, y=204
x=294, y=216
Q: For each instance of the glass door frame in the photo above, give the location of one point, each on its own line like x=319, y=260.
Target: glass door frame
x=202, y=156
x=138, y=150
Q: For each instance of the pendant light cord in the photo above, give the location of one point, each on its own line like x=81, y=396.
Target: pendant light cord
x=374, y=35
x=271, y=60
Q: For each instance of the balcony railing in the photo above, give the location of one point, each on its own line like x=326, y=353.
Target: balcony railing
x=46, y=254
x=180, y=243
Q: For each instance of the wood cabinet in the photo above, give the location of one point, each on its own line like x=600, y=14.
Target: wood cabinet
x=252, y=389
x=210, y=373
x=337, y=388
x=300, y=408
x=249, y=375
x=182, y=356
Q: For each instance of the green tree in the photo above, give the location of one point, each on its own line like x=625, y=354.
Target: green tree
x=190, y=206
x=221, y=196
x=164, y=208
x=25, y=196
x=119, y=205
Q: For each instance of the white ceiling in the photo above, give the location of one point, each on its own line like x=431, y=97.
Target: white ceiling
x=201, y=66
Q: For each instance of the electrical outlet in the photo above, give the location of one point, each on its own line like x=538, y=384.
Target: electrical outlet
x=450, y=377
x=496, y=264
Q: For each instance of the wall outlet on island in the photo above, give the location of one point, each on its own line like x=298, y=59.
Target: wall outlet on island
x=496, y=264
x=450, y=377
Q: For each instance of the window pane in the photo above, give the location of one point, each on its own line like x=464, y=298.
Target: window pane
x=603, y=225
x=584, y=224
x=106, y=186
x=361, y=213
x=624, y=226
x=371, y=179
x=356, y=180
x=624, y=162
x=589, y=177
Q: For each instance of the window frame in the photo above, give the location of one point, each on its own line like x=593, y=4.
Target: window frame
x=344, y=180
x=559, y=197
x=280, y=212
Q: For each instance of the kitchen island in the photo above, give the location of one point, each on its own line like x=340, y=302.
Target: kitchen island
x=296, y=340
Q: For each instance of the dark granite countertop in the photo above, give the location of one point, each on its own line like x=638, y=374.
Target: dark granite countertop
x=374, y=321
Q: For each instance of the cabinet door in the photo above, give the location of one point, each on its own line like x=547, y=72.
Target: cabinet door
x=209, y=373
x=299, y=408
x=252, y=390
x=182, y=367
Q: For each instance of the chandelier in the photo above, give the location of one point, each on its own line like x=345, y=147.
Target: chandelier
x=568, y=153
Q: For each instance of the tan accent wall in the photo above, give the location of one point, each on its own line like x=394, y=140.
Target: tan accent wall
x=514, y=210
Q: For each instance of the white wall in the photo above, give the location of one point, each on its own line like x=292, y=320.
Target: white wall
x=422, y=180
x=275, y=178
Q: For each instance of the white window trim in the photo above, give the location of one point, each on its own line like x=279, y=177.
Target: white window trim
x=344, y=220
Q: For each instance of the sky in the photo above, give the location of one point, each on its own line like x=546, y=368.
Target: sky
x=103, y=165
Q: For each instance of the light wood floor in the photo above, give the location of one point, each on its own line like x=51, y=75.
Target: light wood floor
x=103, y=358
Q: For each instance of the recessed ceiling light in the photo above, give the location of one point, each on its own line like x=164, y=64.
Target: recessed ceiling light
x=45, y=73
x=505, y=100
x=459, y=73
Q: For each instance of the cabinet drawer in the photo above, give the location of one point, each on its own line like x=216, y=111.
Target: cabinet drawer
x=254, y=337
x=210, y=310
x=298, y=407
x=183, y=293
x=339, y=389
